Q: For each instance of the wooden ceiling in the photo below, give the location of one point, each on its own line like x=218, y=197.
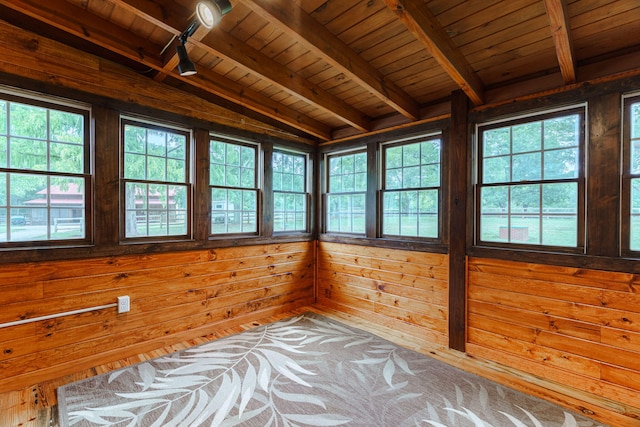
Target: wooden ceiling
x=333, y=69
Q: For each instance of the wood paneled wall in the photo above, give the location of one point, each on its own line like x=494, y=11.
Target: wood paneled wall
x=571, y=326
x=174, y=296
x=405, y=290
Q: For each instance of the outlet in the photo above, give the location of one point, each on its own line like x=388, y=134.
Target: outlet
x=124, y=304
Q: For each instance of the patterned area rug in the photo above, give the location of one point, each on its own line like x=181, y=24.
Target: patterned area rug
x=303, y=371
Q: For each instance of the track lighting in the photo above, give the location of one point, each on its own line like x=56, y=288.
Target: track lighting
x=209, y=14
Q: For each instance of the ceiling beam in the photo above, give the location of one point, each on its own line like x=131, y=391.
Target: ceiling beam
x=224, y=45
x=298, y=24
x=559, y=21
x=77, y=21
x=417, y=17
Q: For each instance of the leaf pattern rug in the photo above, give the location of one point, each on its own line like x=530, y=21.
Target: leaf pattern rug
x=304, y=371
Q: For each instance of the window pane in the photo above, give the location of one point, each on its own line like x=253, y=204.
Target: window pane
x=28, y=121
x=430, y=176
x=156, y=143
x=561, y=132
x=496, y=169
x=3, y=152
x=67, y=127
x=527, y=137
x=634, y=238
x=635, y=156
x=346, y=213
x=411, y=213
x=526, y=167
x=494, y=214
x=3, y=117
x=134, y=139
x=496, y=142
x=28, y=154
x=393, y=179
x=156, y=168
x=560, y=164
x=66, y=158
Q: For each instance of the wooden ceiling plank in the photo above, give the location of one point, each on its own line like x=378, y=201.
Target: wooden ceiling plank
x=228, y=89
x=77, y=21
x=301, y=26
x=426, y=28
x=247, y=57
x=559, y=21
x=220, y=43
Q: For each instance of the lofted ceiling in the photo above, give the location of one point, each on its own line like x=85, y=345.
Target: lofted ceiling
x=331, y=69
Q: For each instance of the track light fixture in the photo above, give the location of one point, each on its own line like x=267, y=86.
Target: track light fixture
x=208, y=13
x=185, y=67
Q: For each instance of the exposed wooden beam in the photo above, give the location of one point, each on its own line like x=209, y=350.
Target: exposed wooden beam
x=425, y=27
x=72, y=19
x=221, y=44
x=298, y=24
x=559, y=21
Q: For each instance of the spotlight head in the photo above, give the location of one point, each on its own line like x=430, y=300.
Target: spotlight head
x=185, y=66
x=209, y=12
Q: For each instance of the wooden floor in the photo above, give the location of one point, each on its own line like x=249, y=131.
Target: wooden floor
x=36, y=406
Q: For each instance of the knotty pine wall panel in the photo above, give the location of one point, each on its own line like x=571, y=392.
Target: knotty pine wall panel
x=174, y=296
x=406, y=290
x=573, y=326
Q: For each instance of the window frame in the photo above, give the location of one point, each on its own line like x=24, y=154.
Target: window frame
x=188, y=183
x=414, y=139
x=306, y=194
x=258, y=186
x=50, y=103
x=326, y=193
x=580, y=179
x=628, y=101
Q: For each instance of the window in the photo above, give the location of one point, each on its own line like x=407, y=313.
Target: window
x=531, y=187
x=156, y=179
x=346, y=192
x=411, y=188
x=234, y=187
x=289, y=191
x=44, y=172
x=631, y=194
